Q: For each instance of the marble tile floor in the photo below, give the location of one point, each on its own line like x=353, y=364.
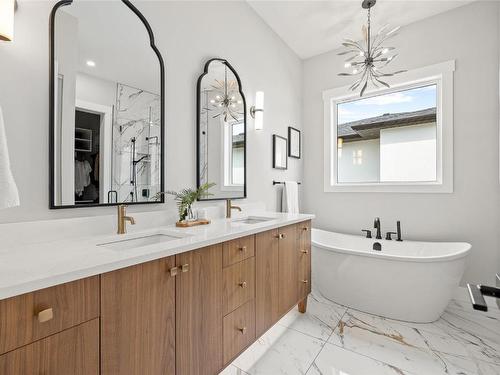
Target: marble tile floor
x=333, y=340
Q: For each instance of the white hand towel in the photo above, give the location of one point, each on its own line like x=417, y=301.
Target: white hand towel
x=290, y=197
x=9, y=196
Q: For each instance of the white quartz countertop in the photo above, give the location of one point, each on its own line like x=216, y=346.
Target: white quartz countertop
x=36, y=266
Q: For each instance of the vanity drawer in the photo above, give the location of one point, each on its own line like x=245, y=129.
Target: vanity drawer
x=238, y=285
x=239, y=330
x=237, y=250
x=74, y=351
x=32, y=316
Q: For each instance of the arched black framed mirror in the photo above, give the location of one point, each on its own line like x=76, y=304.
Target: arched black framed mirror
x=221, y=131
x=107, y=111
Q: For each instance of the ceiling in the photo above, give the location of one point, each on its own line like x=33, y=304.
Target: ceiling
x=314, y=27
x=112, y=36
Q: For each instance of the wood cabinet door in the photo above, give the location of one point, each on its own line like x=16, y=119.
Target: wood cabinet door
x=199, y=312
x=288, y=268
x=74, y=351
x=138, y=320
x=267, y=282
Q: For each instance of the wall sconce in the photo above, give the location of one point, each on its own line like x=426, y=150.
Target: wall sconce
x=257, y=111
x=7, y=8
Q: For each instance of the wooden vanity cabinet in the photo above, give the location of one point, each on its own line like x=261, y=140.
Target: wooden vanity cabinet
x=199, y=346
x=138, y=319
x=188, y=314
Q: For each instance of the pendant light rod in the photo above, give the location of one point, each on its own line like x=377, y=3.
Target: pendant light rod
x=367, y=4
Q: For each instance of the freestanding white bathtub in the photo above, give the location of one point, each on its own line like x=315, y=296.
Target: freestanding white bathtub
x=410, y=281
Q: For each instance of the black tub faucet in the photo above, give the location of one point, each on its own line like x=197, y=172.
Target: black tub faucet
x=376, y=225
x=368, y=233
x=398, y=228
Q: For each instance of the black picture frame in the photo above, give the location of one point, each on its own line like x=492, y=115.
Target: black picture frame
x=277, y=138
x=198, y=110
x=52, y=125
x=292, y=130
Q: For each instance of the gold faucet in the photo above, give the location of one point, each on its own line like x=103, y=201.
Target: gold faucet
x=123, y=218
x=230, y=207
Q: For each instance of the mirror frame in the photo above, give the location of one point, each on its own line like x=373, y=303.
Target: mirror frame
x=52, y=124
x=198, y=105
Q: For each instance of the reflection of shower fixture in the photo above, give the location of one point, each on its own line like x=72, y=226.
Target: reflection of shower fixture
x=133, y=179
x=227, y=98
x=155, y=139
x=151, y=122
x=112, y=193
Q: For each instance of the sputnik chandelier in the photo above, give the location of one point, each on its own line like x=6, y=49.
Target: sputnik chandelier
x=366, y=59
x=227, y=98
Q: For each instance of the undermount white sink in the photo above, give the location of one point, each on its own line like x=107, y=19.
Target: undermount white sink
x=141, y=241
x=252, y=220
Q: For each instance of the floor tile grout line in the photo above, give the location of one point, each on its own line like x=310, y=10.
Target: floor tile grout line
x=468, y=358
x=372, y=358
x=360, y=354
x=411, y=327
x=326, y=342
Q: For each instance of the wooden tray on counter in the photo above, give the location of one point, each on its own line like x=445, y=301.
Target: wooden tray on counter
x=194, y=223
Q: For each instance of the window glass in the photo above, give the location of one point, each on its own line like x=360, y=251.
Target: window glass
x=238, y=154
x=390, y=137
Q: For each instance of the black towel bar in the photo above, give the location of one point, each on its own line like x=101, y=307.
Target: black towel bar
x=281, y=183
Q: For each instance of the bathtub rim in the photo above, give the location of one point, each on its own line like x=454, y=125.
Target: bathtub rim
x=462, y=253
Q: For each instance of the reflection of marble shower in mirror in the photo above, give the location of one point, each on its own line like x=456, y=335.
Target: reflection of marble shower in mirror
x=136, y=146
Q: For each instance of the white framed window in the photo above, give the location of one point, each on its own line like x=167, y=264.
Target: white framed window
x=397, y=139
x=233, y=157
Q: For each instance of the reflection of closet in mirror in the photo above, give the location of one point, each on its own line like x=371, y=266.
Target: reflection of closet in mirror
x=107, y=114
x=87, y=149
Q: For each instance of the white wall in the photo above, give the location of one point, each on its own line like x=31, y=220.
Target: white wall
x=95, y=90
x=408, y=153
x=471, y=213
x=359, y=161
x=187, y=34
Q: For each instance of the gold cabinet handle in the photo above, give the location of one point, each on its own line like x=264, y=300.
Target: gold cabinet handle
x=174, y=271
x=281, y=236
x=243, y=330
x=185, y=268
x=243, y=248
x=243, y=284
x=305, y=229
x=304, y=251
x=304, y=281
x=45, y=315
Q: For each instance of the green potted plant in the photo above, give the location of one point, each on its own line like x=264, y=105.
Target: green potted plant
x=186, y=197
